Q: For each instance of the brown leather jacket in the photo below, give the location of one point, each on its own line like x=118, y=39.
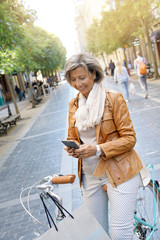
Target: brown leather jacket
x=116, y=136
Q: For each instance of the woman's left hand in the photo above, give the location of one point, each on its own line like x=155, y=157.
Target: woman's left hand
x=86, y=150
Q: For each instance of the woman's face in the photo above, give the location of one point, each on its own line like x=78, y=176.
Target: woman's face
x=81, y=80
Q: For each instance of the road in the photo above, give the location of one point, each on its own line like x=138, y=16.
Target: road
x=39, y=153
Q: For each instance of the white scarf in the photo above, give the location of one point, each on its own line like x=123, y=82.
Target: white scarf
x=90, y=110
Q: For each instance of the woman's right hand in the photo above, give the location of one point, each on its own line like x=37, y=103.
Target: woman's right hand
x=71, y=152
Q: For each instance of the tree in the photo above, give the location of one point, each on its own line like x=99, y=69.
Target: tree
x=47, y=51
x=111, y=32
x=119, y=26
x=24, y=47
x=12, y=18
x=8, y=65
x=137, y=18
x=145, y=13
x=25, y=59
x=39, y=50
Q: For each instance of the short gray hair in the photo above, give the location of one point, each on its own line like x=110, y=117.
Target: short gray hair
x=84, y=60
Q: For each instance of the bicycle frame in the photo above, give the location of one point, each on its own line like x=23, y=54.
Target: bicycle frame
x=138, y=220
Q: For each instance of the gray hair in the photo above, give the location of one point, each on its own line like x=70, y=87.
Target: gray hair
x=84, y=60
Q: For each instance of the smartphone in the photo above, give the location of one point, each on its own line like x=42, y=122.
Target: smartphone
x=70, y=144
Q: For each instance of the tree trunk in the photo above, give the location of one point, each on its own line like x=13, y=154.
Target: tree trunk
x=134, y=51
x=30, y=87
x=102, y=54
x=146, y=33
x=20, y=80
x=12, y=94
x=35, y=73
x=125, y=57
x=116, y=55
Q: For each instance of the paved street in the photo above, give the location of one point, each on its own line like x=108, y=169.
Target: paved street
x=38, y=152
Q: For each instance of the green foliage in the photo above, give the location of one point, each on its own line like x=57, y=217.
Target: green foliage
x=12, y=17
x=121, y=24
x=24, y=47
x=7, y=61
x=42, y=50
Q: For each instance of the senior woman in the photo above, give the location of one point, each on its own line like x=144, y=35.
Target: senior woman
x=100, y=123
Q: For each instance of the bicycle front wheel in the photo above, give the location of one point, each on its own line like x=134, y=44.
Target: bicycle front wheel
x=147, y=212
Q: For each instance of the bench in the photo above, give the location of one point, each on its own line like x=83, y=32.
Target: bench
x=38, y=99
x=7, y=120
x=3, y=129
x=10, y=120
x=9, y=110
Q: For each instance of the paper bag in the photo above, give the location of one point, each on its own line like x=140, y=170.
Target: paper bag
x=83, y=227
x=132, y=89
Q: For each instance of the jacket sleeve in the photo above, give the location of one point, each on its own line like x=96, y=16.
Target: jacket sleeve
x=72, y=134
x=126, y=135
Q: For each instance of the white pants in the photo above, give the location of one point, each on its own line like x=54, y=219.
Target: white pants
x=121, y=200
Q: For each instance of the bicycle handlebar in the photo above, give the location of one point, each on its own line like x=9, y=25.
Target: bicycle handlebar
x=63, y=179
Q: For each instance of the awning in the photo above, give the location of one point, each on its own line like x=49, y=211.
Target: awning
x=155, y=35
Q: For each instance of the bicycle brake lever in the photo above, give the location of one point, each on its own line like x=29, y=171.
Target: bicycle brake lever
x=46, y=179
x=49, y=178
x=45, y=187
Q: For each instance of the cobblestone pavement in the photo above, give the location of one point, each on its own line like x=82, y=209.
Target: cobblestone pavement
x=39, y=153
x=145, y=114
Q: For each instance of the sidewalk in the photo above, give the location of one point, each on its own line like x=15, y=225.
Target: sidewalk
x=28, y=117
x=33, y=150
x=151, y=80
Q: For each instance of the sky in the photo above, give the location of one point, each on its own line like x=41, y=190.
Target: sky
x=56, y=16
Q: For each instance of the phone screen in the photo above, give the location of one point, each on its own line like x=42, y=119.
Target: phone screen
x=70, y=144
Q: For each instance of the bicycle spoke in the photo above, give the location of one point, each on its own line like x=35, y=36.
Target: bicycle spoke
x=144, y=211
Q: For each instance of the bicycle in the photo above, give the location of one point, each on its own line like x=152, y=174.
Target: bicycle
x=146, y=221
x=147, y=209
x=80, y=221
x=45, y=189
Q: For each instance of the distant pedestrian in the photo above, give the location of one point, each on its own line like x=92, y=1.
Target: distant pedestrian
x=35, y=87
x=112, y=67
x=121, y=76
x=106, y=70
x=1, y=96
x=140, y=66
x=124, y=63
x=129, y=63
x=129, y=66
x=19, y=93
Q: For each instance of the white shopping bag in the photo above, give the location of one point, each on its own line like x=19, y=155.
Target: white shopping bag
x=83, y=227
x=132, y=89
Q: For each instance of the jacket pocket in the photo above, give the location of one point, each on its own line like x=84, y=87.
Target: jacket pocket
x=107, y=125
x=124, y=164
x=123, y=155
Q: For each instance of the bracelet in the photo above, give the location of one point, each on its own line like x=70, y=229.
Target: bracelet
x=98, y=153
